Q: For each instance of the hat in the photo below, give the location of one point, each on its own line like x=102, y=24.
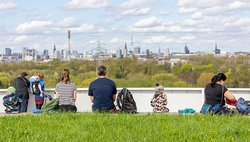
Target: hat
x=159, y=89
x=11, y=90
x=24, y=74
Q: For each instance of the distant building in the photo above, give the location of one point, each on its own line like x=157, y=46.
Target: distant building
x=166, y=53
x=7, y=52
x=64, y=54
x=186, y=49
x=137, y=50
x=45, y=52
x=118, y=53
x=216, y=50
x=58, y=55
x=125, y=51
x=147, y=53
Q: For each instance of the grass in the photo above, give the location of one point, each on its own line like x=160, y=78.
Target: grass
x=91, y=127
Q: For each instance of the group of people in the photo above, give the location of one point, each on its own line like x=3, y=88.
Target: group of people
x=102, y=93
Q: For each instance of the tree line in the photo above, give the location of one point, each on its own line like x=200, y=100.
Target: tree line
x=196, y=71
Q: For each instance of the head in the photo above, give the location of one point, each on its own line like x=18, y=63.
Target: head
x=65, y=76
x=101, y=71
x=159, y=89
x=11, y=90
x=157, y=84
x=40, y=76
x=23, y=74
x=220, y=78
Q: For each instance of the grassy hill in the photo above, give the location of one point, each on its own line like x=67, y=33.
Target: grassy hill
x=123, y=128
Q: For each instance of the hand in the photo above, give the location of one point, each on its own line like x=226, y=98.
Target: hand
x=41, y=95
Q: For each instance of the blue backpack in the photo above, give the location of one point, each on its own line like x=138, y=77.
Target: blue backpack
x=242, y=106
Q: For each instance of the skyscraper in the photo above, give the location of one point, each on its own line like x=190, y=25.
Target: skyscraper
x=186, y=49
x=7, y=52
x=216, y=50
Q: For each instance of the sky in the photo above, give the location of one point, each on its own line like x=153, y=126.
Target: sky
x=153, y=24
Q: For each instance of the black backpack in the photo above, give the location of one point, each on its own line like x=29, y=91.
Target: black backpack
x=34, y=87
x=126, y=102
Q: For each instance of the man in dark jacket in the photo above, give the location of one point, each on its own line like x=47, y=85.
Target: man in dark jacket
x=22, y=89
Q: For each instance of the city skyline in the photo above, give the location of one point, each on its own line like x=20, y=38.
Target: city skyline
x=153, y=24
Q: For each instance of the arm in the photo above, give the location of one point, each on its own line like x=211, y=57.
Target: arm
x=91, y=99
x=114, y=97
x=74, y=96
x=40, y=88
x=229, y=96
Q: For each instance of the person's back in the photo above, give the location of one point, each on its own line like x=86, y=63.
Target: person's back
x=22, y=84
x=102, y=92
x=66, y=92
x=215, y=94
x=22, y=89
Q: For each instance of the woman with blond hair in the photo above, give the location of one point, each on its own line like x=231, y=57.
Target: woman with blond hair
x=66, y=91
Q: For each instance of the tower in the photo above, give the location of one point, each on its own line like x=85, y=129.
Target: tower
x=125, y=51
x=69, y=35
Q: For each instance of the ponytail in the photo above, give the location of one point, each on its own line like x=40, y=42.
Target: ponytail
x=65, y=76
x=218, y=77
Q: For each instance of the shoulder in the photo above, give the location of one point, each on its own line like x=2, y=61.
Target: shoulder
x=72, y=84
x=109, y=80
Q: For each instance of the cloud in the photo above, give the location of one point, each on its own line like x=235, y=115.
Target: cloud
x=197, y=15
x=115, y=40
x=87, y=28
x=184, y=10
x=187, y=38
x=158, y=40
x=147, y=22
x=134, y=3
x=136, y=11
x=33, y=26
x=19, y=39
x=4, y=5
x=86, y=4
x=67, y=22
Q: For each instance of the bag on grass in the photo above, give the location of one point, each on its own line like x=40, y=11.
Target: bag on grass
x=242, y=106
x=126, y=102
x=52, y=105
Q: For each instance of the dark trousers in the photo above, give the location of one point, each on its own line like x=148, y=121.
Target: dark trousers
x=25, y=101
x=67, y=108
x=39, y=106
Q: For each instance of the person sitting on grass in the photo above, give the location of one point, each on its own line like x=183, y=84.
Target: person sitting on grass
x=215, y=94
x=102, y=92
x=66, y=92
x=159, y=101
x=12, y=101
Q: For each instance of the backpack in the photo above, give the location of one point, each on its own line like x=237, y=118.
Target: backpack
x=126, y=102
x=242, y=106
x=34, y=87
x=51, y=106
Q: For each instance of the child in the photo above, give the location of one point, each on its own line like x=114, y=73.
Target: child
x=159, y=100
x=39, y=97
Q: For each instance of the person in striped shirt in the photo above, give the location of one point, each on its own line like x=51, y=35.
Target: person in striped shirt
x=66, y=91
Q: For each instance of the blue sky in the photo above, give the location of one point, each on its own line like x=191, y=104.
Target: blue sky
x=154, y=24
